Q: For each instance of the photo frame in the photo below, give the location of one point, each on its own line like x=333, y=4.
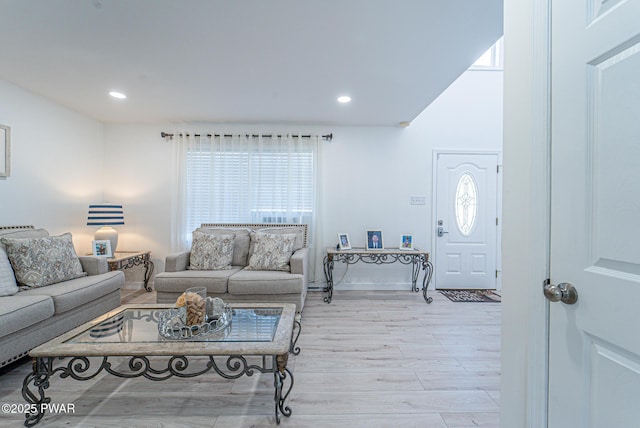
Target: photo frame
x=374, y=239
x=406, y=241
x=102, y=248
x=5, y=151
x=343, y=241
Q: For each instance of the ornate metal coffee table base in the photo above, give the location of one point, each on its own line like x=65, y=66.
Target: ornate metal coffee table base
x=80, y=368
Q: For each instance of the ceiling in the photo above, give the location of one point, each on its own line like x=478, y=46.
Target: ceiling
x=244, y=61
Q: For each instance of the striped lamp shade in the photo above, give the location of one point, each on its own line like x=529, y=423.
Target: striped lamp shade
x=105, y=215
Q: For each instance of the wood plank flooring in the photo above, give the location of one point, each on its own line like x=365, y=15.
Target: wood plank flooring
x=369, y=359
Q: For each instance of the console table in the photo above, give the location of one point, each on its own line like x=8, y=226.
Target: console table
x=128, y=259
x=416, y=258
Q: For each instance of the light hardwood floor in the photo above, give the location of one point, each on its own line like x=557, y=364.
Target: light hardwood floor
x=369, y=359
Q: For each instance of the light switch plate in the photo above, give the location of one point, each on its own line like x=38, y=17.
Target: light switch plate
x=418, y=200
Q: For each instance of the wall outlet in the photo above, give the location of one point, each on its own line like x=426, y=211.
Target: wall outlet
x=418, y=200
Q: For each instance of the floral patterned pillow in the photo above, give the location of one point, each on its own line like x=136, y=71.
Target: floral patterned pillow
x=271, y=251
x=43, y=261
x=211, y=252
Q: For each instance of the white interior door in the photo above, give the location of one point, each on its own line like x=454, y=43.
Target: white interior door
x=594, y=344
x=466, y=221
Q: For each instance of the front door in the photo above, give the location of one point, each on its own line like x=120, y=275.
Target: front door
x=594, y=344
x=466, y=221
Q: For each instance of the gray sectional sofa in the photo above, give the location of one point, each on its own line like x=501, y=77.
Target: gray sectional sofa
x=242, y=281
x=33, y=316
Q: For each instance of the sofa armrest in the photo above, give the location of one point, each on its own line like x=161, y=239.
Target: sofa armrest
x=177, y=262
x=94, y=265
x=299, y=261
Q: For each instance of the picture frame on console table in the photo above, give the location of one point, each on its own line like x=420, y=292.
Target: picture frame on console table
x=374, y=239
x=343, y=241
x=102, y=248
x=406, y=241
x=5, y=151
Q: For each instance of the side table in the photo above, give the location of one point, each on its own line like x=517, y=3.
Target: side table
x=128, y=259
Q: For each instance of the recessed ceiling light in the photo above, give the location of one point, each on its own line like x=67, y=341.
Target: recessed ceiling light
x=118, y=95
x=344, y=99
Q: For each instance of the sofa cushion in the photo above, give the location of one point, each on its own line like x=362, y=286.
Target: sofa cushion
x=211, y=251
x=297, y=231
x=240, y=243
x=265, y=282
x=8, y=286
x=70, y=294
x=271, y=251
x=215, y=281
x=42, y=261
x=21, y=311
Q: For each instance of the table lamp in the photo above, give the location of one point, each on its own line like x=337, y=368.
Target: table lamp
x=106, y=215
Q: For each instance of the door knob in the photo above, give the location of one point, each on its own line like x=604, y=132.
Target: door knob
x=441, y=231
x=564, y=292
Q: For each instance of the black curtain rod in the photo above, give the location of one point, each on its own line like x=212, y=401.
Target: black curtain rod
x=327, y=137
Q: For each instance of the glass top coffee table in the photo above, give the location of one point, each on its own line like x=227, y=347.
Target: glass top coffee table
x=130, y=334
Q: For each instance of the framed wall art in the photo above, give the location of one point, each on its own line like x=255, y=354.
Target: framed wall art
x=5, y=151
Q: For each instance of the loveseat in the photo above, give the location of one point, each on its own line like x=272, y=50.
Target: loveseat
x=261, y=263
x=35, y=313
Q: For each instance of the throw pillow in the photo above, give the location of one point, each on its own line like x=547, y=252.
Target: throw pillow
x=287, y=230
x=271, y=251
x=240, y=242
x=211, y=252
x=8, y=286
x=38, y=262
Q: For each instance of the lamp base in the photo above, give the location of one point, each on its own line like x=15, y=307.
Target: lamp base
x=108, y=233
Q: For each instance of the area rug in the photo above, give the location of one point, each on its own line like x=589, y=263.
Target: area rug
x=471, y=295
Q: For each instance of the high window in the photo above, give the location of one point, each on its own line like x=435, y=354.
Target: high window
x=492, y=59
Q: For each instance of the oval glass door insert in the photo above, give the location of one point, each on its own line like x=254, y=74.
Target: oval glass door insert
x=466, y=204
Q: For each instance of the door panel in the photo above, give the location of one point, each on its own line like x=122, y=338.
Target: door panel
x=594, y=361
x=466, y=192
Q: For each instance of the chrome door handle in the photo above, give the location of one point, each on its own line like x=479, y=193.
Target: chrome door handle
x=564, y=292
x=441, y=231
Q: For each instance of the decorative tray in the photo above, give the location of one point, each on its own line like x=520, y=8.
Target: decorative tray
x=171, y=324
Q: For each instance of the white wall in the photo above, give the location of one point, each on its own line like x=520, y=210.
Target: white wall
x=56, y=165
x=58, y=159
x=467, y=116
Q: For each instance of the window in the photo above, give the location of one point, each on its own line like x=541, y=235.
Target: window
x=492, y=59
x=245, y=179
x=466, y=204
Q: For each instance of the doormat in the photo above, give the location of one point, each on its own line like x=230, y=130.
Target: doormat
x=471, y=295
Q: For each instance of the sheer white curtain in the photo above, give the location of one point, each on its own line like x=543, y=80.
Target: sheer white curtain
x=246, y=179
